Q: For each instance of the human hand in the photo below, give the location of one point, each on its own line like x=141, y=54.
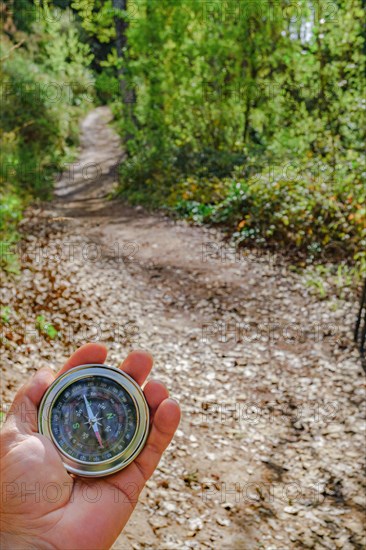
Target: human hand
x=43, y=506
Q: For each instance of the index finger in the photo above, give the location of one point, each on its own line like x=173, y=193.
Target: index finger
x=88, y=353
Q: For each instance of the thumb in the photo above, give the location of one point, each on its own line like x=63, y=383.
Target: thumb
x=23, y=411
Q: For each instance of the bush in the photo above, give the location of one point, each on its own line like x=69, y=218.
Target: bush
x=10, y=214
x=107, y=87
x=45, y=88
x=321, y=217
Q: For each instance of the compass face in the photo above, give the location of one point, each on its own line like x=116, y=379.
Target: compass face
x=97, y=417
x=93, y=419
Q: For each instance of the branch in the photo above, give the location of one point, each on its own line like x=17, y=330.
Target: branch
x=12, y=49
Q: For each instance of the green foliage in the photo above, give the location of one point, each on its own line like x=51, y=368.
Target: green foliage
x=5, y=314
x=321, y=217
x=45, y=87
x=251, y=115
x=10, y=214
x=45, y=328
x=10, y=211
x=330, y=280
x=96, y=17
x=106, y=86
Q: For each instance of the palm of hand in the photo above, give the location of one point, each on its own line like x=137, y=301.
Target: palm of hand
x=45, y=507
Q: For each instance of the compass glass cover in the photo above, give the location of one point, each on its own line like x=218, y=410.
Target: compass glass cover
x=93, y=419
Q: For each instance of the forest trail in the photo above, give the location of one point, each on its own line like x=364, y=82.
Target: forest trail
x=270, y=450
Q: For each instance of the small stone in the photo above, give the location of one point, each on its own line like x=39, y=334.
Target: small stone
x=224, y=522
x=195, y=524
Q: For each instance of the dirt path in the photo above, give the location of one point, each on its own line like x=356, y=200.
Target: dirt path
x=269, y=454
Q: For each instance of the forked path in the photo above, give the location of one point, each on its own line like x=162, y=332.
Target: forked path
x=270, y=450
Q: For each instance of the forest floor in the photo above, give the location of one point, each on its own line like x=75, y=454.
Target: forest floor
x=270, y=450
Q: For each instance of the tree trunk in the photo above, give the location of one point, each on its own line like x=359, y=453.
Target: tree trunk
x=121, y=26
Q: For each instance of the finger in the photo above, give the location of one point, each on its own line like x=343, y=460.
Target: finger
x=138, y=365
x=155, y=393
x=23, y=412
x=88, y=353
x=166, y=421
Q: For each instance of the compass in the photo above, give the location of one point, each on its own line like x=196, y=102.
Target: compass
x=97, y=418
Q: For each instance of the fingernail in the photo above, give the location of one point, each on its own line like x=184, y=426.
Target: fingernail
x=173, y=400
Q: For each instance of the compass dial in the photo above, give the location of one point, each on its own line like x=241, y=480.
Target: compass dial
x=97, y=418
x=91, y=407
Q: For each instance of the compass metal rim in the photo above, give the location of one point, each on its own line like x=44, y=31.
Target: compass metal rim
x=117, y=462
